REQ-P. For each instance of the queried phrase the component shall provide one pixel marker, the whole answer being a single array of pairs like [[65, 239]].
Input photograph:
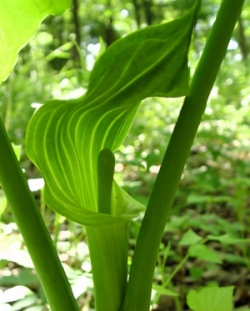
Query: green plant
[[211, 298], [72, 142]]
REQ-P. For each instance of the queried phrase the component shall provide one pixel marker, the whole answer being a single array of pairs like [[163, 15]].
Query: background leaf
[[228, 239], [18, 22], [211, 299], [202, 252], [189, 238]]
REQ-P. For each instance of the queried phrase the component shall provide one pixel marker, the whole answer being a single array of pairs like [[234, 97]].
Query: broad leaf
[[202, 252], [18, 22], [228, 239], [211, 299], [64, 138], [190, 238]]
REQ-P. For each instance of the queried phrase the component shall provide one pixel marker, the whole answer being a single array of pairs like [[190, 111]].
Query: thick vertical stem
[[157, 213], [75, 9], [137, 13], [147, 4], [33, 229], [108, 253]]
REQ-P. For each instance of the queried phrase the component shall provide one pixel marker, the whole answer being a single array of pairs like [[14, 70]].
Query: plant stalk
[[108, 247], [33, 230], [158, 210]]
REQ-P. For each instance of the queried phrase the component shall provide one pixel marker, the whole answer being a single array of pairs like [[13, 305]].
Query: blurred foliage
[[213, 197]]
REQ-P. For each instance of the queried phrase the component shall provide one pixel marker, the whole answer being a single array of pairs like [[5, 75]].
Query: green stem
[[158, 210], [177, 301], [109, 252], [177, 268], [33, 230]]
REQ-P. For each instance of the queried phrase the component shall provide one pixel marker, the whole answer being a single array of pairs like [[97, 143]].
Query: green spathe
[[64, 138]]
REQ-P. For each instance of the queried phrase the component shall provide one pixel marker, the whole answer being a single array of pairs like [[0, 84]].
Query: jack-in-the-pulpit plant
[[72, 142]]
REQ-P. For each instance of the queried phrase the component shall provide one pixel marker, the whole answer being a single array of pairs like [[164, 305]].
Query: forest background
[[213, 197]]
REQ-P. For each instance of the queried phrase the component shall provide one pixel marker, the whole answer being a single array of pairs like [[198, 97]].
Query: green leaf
[[24, 277], [228, 239], [64, 138], [18, 22], [198, 199], [211, 299], [189, 238], [27, 301], [19, 256], [164, 291], [202, 252]]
